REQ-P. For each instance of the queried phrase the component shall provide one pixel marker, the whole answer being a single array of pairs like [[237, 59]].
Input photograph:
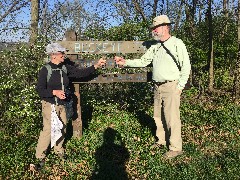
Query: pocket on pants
[[46, 110], [156, 92]]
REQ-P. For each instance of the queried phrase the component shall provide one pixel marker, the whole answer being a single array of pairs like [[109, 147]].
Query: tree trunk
[[155, 6], [34, 21], [190, 10], [225, 8], [237, 70], [210, 52], [43, 20], [225, 12], [201, 6], [179, 16]]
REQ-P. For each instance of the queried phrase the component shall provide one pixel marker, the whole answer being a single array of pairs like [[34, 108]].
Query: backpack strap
[[49, 70], [64, 68]]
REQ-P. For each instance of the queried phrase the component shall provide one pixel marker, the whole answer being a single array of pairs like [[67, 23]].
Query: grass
[[116, 144]]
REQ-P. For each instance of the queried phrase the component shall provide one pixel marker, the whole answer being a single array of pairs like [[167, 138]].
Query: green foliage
[[126, 32], [225, 50], [119, 141], [20, 103]]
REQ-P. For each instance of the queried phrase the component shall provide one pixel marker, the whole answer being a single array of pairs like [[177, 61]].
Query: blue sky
[[24, 18]]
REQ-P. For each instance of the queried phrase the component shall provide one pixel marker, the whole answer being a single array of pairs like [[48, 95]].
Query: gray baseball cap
[[54, 48]]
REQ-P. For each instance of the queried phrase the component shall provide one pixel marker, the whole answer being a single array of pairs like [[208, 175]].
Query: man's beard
[[156, 36]]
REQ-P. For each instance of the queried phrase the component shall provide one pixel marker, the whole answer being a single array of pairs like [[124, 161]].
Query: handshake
[[102, 62]]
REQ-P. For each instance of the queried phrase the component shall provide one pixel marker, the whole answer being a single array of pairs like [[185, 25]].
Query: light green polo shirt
[[164, 67]]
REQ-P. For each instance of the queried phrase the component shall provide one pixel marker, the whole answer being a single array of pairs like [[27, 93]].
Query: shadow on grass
[[87, 112], [111, 158], [146, 121]]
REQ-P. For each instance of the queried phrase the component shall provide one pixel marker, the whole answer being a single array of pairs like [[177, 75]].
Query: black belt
[[161, 83]]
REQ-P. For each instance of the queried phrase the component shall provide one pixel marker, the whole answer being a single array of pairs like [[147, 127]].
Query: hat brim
[[66, 50], [62, 51], [163, 24]]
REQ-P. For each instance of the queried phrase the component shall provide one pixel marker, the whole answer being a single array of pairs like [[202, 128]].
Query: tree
[[237, 71], [190, 14], [9, 11], [226, 16], [132, 10], [210, 46], [179, 16], [34, 21], [54, 20]]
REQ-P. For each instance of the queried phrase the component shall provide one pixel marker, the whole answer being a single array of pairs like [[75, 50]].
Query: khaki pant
[[45, 135], [167, 98]]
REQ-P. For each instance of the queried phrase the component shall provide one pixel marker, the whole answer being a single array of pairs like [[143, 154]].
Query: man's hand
[[101, 62], [59, 93], [119, 60]]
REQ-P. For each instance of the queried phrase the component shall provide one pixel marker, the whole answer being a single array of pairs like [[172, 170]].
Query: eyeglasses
[[61, 52]]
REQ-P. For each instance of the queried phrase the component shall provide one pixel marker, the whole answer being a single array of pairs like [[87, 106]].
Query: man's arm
[[185, 62], [145, 60]]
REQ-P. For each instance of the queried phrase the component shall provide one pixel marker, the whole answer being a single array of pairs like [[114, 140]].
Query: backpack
[[49, 69], [69, 104]]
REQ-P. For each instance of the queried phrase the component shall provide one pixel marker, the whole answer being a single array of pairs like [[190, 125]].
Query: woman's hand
[[101, 62], [59, 93]]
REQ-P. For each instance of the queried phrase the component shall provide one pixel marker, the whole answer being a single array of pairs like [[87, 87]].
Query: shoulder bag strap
[[174, 59]]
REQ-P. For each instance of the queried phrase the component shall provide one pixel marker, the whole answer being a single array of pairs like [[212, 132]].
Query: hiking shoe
[[172, 154], [39, 165]]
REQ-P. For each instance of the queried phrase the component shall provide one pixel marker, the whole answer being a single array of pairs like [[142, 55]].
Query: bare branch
[[139, 10], [13, 8], [155, 5]]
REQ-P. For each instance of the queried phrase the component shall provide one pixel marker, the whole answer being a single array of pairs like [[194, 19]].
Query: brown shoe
[[172, 154], [39, 166]]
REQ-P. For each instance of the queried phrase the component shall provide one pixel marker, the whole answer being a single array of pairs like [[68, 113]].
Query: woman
[[52, 90]]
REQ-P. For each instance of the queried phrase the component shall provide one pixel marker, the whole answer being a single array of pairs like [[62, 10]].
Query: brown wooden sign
[[82, 63], [105, 47], [110, 77], [116, 77]]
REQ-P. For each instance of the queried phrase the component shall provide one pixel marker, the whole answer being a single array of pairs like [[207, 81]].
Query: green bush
[[20, 103]]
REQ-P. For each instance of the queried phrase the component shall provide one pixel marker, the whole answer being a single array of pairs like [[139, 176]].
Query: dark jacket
[[45, 88]]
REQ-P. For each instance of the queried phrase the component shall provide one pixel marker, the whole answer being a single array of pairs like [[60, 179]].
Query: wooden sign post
[[77, 121]]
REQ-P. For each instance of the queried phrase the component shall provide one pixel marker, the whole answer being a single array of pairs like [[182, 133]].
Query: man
[[169, 79], [52, 91]]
